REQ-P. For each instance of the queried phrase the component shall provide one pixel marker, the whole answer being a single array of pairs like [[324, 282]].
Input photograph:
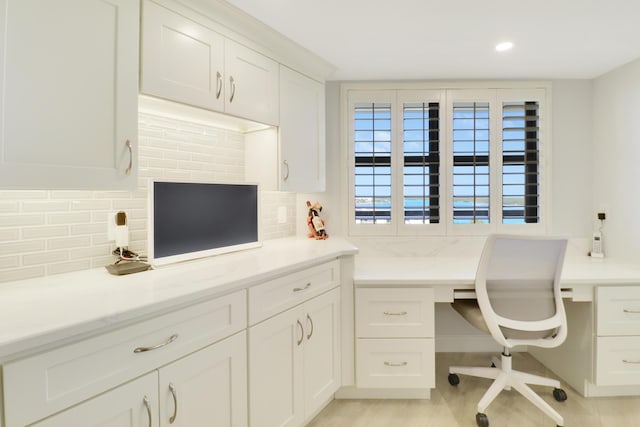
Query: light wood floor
[[456, 406]]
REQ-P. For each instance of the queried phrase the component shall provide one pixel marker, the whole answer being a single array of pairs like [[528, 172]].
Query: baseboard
[[382, 393]]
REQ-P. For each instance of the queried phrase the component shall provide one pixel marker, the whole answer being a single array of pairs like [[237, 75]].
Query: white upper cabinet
[[302, 133], [68, 94], [252, 84], [181, 60], [186, 61]]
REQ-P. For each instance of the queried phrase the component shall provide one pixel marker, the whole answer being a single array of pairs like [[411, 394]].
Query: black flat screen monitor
[[194, 219]]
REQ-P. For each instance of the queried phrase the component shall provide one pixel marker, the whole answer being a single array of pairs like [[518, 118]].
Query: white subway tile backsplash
[[23, 194], [7, 234], [45, 206], [47, 231], [90, 205], [69, 218], [20, 220], [9, 206], [66, 267], [69, 242], [22, 247], [45, 257], [21, 273], [51, 232], [9, 262]]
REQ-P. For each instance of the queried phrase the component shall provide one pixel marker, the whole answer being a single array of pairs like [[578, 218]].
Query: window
[[445, 161], [520, 162], [421, 162], [471, 201], [372, 147]]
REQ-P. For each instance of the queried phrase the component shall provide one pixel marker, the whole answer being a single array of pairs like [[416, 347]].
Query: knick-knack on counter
[[315, 223]]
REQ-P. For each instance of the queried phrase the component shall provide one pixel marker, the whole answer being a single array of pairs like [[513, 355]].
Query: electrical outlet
[[602, 216], [113, 220], [282, 214]]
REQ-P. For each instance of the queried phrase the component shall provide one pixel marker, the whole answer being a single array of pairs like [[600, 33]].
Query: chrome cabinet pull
[[233, 88], [396, 363], [635, 362], [395, 313], [172, 389], [171, 339], [626, 310], [128, 170], [311, 323], [302, 289], [218, 84], [301, 332], [147, 404], [286, 173]]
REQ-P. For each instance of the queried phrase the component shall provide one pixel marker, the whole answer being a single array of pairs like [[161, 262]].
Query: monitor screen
[[191, 220]]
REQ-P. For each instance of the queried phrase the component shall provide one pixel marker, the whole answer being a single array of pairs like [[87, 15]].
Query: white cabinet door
[[251, 84], [181, 59], [134, 404], [69, 93], [302, 133], [275, 371], [207, 388], [321, 350]]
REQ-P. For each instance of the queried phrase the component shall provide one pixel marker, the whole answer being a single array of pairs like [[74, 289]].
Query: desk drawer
[[395, 363], [278, 295], [37, 386], [618, 361], [394, 313], [617, 310]]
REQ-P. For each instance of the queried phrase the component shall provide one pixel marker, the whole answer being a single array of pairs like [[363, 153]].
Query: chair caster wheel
[[559, 394], [454, 379], [482, 420]]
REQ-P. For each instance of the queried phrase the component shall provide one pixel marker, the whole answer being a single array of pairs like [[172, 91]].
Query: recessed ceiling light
[[504, 46]]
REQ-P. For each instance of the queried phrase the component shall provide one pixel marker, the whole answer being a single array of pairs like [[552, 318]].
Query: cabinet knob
[[301, 332], [286, 170], [128, 170], [310, 323], [147, 404], [233, 88], [218, 84], [171, 339], [172, 389]]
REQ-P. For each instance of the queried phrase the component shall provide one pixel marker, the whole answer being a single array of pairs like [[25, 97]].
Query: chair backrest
[[518, 289]]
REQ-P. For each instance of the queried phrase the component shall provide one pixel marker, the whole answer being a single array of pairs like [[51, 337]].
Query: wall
[[50, 232], [616, 174]]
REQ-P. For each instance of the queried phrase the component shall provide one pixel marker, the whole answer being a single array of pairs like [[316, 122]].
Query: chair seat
[[470, 311]]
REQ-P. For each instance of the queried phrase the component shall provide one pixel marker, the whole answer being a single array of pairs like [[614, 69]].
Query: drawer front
[[395, 363], [394, 313], [617, 361], [37, 386], [618, 310], [278, 295]]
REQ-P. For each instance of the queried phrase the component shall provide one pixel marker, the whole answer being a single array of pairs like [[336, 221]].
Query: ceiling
[[455, 39]]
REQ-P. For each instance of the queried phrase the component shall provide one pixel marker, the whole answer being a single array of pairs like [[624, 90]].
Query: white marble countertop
[[37, 312], [580, 273]]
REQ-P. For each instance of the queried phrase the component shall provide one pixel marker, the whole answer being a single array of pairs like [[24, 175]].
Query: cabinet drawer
[[395, 363], [618, 310], [618, 361], [278, 295], [394, 313], [37, 386]]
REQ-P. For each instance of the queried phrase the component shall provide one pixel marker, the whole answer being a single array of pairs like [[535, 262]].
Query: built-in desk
[[596, 359]]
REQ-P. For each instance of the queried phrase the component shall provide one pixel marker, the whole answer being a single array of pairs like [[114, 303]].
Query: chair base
[[504, 379]]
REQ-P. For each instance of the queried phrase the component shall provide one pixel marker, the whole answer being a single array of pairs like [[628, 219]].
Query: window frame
[[445, 93]]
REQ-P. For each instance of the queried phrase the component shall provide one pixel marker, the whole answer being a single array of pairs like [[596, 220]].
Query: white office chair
[[519, 304]]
